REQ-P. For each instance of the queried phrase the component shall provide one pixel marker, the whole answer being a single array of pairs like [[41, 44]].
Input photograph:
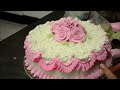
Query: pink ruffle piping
[[41, 75], [57, 64]]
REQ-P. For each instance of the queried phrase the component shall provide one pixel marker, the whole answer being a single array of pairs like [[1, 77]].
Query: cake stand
[[28, 73]]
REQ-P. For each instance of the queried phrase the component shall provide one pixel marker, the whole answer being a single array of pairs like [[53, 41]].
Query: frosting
[[66, 45], [73, 63], [62, 34], [77, 35], [42, 40], [92, 74], [68, 29]]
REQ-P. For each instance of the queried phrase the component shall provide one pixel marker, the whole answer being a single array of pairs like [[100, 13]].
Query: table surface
[[12, 51]]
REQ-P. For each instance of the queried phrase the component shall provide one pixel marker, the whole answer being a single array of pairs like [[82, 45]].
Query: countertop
[[12, 51]]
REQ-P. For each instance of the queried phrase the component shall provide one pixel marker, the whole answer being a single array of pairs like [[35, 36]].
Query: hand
[[115, 53], [115, 26], [108, 73]]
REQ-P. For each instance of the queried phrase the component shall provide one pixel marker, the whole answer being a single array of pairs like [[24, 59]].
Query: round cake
[[67, 49]]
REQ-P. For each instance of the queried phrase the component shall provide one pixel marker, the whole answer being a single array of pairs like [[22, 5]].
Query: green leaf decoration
[[50, 35], [65, 43]]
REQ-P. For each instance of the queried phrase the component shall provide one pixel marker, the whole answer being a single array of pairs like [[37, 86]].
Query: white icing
[[42, 39]]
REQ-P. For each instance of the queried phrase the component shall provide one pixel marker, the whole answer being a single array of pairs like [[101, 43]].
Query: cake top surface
[[53, 39]]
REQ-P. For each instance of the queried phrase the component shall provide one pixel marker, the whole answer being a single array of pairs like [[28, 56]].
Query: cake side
[[66, 56], [67, 46], [41, 35], [37, 72]]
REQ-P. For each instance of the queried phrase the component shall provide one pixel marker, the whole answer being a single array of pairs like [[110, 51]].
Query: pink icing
[[68, 29], [30, 67], [102, 55], [74, 63], [77, 35], [26, 43], [44, 76], [33, 70], [27, 62], [48, 77], [62, 33], [93, 75], [40, 75], [36, 73]]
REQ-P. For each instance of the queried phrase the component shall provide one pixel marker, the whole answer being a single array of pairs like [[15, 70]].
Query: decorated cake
[[67, 49]]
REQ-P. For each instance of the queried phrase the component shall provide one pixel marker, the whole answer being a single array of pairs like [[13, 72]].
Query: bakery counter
[[12, 51]]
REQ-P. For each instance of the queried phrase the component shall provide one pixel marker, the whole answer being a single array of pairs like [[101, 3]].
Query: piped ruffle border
[[57, 64], [41, 75]]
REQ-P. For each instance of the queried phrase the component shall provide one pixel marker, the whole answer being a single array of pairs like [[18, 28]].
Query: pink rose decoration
[[62, 33], [77, 35], [68, 29], [55, 27]]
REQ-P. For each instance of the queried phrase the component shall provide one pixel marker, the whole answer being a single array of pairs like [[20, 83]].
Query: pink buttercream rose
[[62, 33], [77, 34], [55, 26], [68, 29]]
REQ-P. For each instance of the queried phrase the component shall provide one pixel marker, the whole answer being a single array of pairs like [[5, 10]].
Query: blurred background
[[13, 21]]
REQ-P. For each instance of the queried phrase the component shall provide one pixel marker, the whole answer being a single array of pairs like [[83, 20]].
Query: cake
[[67, 48]]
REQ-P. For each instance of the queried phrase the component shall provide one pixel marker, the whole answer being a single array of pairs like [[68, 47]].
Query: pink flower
[[54, 27], [62, 33], [77, 34], [68, 29]]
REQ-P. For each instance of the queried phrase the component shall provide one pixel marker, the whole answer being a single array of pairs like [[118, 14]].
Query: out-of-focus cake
[[67, 49]]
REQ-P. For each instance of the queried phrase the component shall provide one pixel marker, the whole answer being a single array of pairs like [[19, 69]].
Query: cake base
[[31, 76], [28, 72]]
